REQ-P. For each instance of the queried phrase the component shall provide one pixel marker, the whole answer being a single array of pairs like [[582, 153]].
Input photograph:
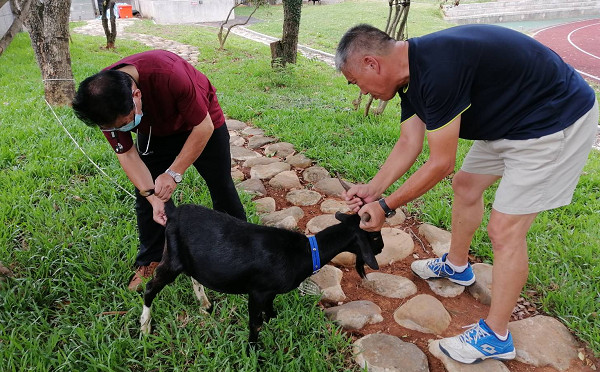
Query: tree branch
[[16, 24]]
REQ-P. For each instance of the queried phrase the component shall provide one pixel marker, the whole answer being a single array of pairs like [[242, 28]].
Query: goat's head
[[369, 244]]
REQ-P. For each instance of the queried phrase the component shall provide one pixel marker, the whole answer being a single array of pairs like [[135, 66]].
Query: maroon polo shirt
[[175, 97]]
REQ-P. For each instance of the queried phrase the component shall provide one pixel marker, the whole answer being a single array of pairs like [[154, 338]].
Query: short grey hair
[[364, 39]]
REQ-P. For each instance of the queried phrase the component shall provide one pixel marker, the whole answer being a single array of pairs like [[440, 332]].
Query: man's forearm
[[136, 170], [399, 161], [193, 146]]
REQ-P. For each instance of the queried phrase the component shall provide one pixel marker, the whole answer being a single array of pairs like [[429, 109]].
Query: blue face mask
[[132, 124]]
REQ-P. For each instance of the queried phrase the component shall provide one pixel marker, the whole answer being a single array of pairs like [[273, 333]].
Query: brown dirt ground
[[464, 309]]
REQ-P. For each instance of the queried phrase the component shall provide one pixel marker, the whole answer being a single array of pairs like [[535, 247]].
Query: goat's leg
[[162, 276], [205, 305], [270, 312], [255, 317]]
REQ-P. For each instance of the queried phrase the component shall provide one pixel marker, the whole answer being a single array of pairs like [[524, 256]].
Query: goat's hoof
[[146, 327], [208, 310]]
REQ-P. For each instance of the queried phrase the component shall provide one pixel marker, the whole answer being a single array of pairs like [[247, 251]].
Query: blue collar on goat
[[314, 250]]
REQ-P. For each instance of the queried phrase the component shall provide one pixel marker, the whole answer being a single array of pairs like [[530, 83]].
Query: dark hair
[[364, 39], [103, 97]]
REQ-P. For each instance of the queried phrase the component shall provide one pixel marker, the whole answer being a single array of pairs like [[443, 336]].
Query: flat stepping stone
[[345, 259], [237, 125], [544, 341], [265, 205], [423, 313], [252, 131], [237, 141], [267, 171], [397, 245], [241, 153], [262, 160], [319, 223], [253, 186], [445, 288], [288, 223], [329, 187], [271, 219], [386, 353], [303, 197], [237, 175], [329, 280], [257, 141], [281, 149], [332, 206], [315, 173], [488, 365], [481, 290], [286, 180], [299, 161], [438, 238], [397, 219], [388, 285], [355, 314]]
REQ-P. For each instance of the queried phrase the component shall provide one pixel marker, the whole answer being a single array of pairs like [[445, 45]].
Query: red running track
[[578, 43]]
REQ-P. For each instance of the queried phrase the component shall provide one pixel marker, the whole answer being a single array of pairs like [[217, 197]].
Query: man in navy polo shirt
[[533, 120], [174, 111]]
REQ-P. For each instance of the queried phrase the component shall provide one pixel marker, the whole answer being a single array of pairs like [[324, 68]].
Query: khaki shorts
[[537, 174]]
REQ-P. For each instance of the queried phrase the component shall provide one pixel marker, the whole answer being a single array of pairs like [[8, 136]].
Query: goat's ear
[[365, 250]]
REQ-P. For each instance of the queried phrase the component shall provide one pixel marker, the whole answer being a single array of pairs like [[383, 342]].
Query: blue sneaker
[[436, 268], [478, 343]]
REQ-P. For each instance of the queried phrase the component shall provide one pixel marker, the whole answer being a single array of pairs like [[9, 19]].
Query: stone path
[[277, 175]]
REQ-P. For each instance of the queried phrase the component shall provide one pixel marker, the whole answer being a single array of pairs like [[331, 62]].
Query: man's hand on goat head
[[377, 217], [358, 195], [164, 185]]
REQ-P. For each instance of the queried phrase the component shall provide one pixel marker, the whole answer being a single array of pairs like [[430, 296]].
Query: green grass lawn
[[322, 26], [69, 234]]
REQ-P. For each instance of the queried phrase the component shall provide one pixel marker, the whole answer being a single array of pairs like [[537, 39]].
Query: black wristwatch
[[388, 212], [147, 193]]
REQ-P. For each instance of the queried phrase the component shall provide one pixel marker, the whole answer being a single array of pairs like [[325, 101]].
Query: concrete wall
[[82, 10], [185, 11], [6, 18]]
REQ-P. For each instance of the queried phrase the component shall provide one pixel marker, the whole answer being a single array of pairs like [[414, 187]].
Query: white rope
[[84, 153]]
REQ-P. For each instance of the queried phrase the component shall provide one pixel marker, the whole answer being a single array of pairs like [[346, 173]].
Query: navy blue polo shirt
[[504, 84]]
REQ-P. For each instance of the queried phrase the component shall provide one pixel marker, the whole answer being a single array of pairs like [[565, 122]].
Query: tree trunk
[[285, 50], [111, 34], [48, 25], [20, 12]]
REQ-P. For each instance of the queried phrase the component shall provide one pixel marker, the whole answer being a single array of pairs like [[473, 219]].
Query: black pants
[[214, 165]]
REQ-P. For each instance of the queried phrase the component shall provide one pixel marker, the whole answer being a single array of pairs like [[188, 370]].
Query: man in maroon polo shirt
[[174, 111]]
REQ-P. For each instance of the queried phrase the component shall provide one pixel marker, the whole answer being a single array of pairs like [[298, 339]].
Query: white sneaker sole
[[505, 356], [465, 283]]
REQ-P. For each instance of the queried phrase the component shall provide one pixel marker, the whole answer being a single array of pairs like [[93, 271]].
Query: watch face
[[177, 178]]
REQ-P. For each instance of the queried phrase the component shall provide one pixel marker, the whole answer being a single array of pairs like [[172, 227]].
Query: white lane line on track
[[578, 48], [588, 75]]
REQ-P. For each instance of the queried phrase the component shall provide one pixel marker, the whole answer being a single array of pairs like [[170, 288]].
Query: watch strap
[[387, 210], [146, 193], [176, 176]]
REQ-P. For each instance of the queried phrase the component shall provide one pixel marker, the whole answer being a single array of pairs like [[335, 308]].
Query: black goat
[[233, 256]]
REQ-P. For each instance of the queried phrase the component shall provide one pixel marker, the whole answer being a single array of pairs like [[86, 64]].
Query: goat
[[233, 256]]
